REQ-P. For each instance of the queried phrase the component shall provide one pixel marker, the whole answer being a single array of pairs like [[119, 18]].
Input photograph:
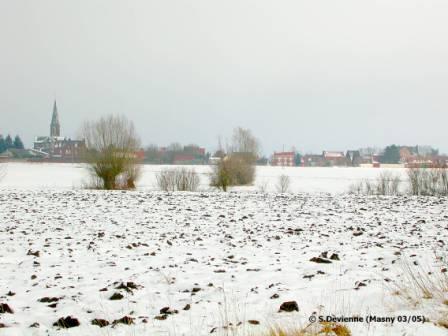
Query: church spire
[[55, 128]]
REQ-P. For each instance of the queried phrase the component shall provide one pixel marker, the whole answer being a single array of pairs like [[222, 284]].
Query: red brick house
[[283, 159], [334, 158]]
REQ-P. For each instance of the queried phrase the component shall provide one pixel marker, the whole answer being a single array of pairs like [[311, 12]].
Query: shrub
[[238, 167], [242, 169], [263, 187], [221, 175], [180, 179], [387, 183], [165, 180], [283, 183], [232, 170], [428, 181], [420, 182], [111, 146], [187, 180]]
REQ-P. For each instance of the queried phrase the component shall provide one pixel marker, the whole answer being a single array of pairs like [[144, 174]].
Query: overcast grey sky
[[311, 74]]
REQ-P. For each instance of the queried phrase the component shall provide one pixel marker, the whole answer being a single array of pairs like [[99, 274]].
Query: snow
[[238, 249], [310, 180]]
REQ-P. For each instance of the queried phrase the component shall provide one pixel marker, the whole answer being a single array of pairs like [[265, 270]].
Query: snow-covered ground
[[219, 259], [72, 176]]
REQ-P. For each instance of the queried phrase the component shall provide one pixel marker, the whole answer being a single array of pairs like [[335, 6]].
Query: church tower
[[55, 127]]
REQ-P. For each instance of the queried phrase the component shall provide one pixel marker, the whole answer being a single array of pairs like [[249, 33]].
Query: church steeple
[[55, 127]]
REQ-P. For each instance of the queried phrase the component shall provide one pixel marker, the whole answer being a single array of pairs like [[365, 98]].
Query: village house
[[334, 158], [283, 159], [313, 160]]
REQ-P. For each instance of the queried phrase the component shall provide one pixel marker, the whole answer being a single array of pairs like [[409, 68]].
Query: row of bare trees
[[419, 181], [112, 144]]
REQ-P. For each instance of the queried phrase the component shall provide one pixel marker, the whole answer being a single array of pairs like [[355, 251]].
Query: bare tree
[[111, 152], [283, 183], [244, 143]]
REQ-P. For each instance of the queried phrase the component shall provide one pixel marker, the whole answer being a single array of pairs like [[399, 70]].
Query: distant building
[[186, 159], [332, 155], [187, 155], [313, 160], [326, 159], [194, 150], [56, 146], [334, 158], [15, 153], [284, 159]]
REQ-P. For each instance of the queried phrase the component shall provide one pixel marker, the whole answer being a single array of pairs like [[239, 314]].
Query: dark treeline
[[7, 143], [175, 153]]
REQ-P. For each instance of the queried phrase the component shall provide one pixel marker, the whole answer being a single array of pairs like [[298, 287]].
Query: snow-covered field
[[209, 262], [72, 176]]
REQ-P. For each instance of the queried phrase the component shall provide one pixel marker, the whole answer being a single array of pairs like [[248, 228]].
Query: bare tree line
[[112, 143], [418, 182]]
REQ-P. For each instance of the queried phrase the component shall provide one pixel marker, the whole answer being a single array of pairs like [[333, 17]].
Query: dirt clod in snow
[[67, 322], [116, 296], [124, 320], [100, 322], [5, 308], [320, 260], [289, 306]]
